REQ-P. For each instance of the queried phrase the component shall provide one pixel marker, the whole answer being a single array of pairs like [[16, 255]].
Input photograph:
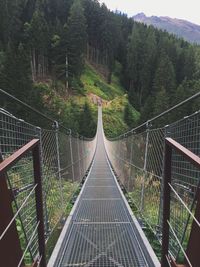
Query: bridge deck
[[101, 231]]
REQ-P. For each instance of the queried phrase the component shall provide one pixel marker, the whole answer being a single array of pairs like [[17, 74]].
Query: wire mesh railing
[[176, 204], [22, 213], [138, 160], [65, 159]]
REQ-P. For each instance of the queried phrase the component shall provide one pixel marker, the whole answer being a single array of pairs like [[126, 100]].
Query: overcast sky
[[182, 9]]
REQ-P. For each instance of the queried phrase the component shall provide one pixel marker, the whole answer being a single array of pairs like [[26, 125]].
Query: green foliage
[[15, 73], [153, 240], [165, 76], [2, 59], [161, 101], [113, 117], [27, 257], [95, 84], [77, 39], [113, 123], [184, 91], [131, 116], [115, 100], [72, 113], [21, 177], [86, 122], [48, 41], [39, 31]]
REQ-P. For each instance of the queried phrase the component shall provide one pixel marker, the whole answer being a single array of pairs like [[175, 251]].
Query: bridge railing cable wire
[[138, 160], [64, 158]]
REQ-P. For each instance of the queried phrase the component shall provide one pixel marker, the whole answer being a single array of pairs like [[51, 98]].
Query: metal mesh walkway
[[102, 232]]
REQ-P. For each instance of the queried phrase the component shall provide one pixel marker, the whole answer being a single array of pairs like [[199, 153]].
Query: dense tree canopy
[[52, 39]]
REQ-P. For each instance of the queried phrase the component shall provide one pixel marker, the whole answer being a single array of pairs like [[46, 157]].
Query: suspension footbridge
[[102, 230], [44, 171]]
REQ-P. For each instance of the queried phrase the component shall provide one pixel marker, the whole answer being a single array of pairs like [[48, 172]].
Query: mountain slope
[[94, 87], [182, 28]]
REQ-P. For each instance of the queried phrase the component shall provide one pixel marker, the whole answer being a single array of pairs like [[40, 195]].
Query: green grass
[[148, 231], [95, 84], [92, 86], [149, 216], [21, 177], [114, 99]]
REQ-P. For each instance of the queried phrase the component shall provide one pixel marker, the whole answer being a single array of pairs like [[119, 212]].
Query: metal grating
[[102, 211], [99, 175], [103, 245], [101, 192], [102, 233], [101, 182]]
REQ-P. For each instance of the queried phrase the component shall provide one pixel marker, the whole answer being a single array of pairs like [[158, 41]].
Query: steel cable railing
[[138, 160], [65, 159]]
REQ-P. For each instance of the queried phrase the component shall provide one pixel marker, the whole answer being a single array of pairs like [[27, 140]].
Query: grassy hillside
[[68, 108], [114, 99]]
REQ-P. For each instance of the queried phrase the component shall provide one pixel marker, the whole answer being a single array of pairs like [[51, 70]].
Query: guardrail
[[65, 160], [192, 257], [138, 160], [11, 253]]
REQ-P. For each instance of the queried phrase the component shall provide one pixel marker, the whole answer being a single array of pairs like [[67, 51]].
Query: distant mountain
[[182, 28]]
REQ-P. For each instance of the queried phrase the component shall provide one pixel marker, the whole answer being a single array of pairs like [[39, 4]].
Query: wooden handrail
[[16, 156], [171, 145]]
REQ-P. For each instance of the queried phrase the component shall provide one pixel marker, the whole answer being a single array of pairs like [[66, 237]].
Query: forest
[[50, 42]]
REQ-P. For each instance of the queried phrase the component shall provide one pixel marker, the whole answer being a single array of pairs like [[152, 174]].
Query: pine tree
[[147, 111], [161, 102], [109, 42], [94, 20], [87, 125], [15, 76], [133, 66], [77, 40], [165, 76], [130, 116], [148, 69], [39, 42], [10, 23]]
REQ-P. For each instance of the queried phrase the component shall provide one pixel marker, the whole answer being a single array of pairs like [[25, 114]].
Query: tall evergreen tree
[[15, 75], [165, 76], [130, 116], [39, 42], [161, 102], [94, 20], [110, 33], [134, 65], [148, 69], [86, 122], [10, 22], [77, 39]]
